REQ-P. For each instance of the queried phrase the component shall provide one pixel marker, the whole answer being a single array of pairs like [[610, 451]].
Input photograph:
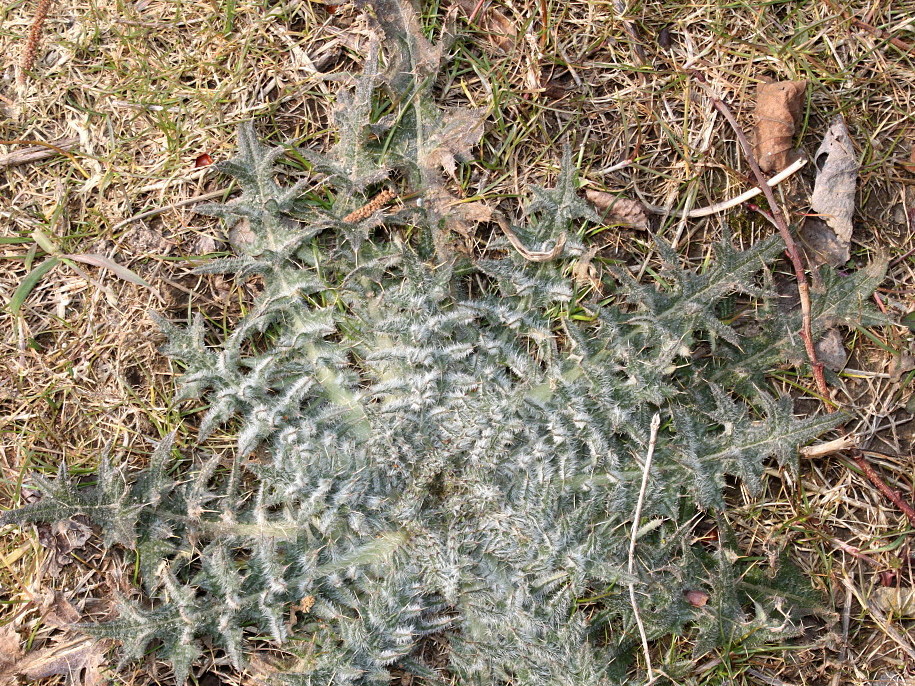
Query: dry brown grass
[[149, 86]]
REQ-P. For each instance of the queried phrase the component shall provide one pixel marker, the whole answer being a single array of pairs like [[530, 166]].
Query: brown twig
[[38, 151], [794, 254], [870, 28], [893, 495], [31, 44]]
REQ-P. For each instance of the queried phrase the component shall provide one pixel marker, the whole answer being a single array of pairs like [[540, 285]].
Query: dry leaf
[[10, 653], [833, 197], [897, 601], [584, 273], [616, 209], [820, 243], [899, 365], [61, 539], [501, 32], [831, 350], [778, 111], [696, 598], [59, 611], [461, 130], [80, 660]]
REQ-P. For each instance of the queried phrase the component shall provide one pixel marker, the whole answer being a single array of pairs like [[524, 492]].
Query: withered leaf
[[9, 652], [616, 209], [584, 272], [820, 243], [414, 58], [59, 611], [696, 598], [899, 365], [778, 111], [831, 350], [898, 601], [80, 660], [61, 538], [461, 130], [833, 197], [501, 32]]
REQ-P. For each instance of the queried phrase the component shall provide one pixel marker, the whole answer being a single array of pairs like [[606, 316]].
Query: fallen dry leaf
[[501, 32], [831, 350], [696, 598], [61, 539], [778, 111], [584, 272], [898, 601], [820, 243], [461, 130], [616, 209], [833, 197], [899, 365], [59, 611], [9, 652], [80, 660]]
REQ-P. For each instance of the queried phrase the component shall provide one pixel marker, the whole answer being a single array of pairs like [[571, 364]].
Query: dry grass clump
[[148, 88]]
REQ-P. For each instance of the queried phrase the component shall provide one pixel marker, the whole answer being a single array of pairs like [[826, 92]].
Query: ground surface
[[152, 90]]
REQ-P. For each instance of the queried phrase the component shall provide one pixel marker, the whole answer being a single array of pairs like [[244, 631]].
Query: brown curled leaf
[[696, 598], [778, 111], [617, 209]]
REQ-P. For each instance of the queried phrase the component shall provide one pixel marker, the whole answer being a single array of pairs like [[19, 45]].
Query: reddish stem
[[893, 495], [793, 253]]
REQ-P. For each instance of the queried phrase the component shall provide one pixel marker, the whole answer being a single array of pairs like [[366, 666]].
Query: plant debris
[[827, 236], [78, 658], [778, 111], [501, 32], [831, 350], [61, 539], [617, 209]]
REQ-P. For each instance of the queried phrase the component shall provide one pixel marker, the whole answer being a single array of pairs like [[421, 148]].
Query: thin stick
[[892, 495], [530, 255], [36, 153], [655, 425], [791, 248], [726, 204], [829, 447], [166, 208], [57, 147]]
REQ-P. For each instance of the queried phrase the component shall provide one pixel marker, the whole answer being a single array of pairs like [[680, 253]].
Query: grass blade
[[29, 282]]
